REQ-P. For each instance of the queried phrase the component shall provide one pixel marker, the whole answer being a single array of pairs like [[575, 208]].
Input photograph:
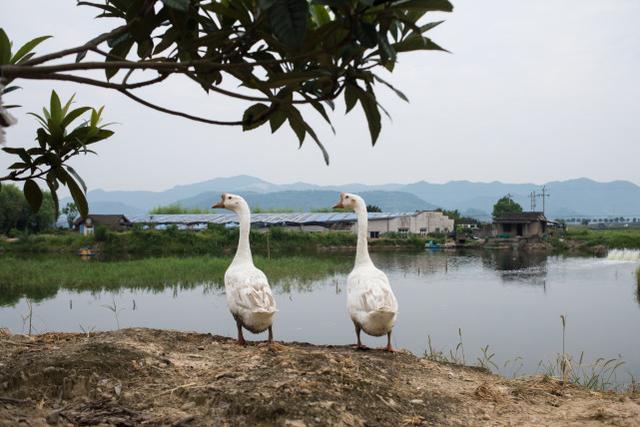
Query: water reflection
[[518, 267]]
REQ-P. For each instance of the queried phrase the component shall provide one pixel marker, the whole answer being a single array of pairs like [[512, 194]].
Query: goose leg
[[241, 340], [389, 348], [270, 335], [360, 346]]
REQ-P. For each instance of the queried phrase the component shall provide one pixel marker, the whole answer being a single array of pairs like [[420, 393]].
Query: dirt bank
[[154, 377]]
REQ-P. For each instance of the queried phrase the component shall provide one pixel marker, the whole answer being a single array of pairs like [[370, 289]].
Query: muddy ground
[[156, 377]]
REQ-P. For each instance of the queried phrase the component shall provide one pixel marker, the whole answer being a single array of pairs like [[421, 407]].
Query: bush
[[101, 234]]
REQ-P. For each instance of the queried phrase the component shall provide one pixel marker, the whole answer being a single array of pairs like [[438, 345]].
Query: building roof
[[264, 218], [102, 219], [522, 217]]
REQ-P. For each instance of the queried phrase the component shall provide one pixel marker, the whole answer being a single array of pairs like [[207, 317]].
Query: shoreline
[[135, 376]]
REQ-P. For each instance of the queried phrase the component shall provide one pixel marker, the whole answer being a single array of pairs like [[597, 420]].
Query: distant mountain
[[574, 197], [313, 199]]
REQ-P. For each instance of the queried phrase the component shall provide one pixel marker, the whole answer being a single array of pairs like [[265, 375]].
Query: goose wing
[[251, 291], [370, 291]]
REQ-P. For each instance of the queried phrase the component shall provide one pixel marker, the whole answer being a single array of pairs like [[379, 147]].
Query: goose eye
[[347, 197], [229, 197]]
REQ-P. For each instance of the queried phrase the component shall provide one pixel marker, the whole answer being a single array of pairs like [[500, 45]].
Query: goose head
[[349, 201], [233, 202]]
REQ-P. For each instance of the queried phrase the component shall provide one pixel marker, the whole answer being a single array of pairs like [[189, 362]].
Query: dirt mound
[[142, 376]]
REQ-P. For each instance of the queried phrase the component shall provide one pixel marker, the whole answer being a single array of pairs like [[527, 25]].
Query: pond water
[[508, 300]]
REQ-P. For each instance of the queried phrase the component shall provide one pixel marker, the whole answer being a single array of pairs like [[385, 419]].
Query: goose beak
[[218, 205], [339, 205]]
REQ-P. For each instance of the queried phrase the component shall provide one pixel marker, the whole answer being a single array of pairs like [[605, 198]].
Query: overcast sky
[[532, 92]]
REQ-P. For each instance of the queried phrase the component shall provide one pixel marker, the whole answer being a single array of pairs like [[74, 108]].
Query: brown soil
[[154, 377]]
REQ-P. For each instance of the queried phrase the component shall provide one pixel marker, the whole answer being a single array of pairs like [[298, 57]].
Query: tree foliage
[[505, 206], [282, 54], [57, 143], [70, 211], [16, 214], [373, 208]]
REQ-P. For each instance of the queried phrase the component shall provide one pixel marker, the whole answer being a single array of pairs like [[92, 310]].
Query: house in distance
[[87, 225]]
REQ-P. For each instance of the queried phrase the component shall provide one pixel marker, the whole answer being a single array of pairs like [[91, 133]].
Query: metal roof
[[262, 218]]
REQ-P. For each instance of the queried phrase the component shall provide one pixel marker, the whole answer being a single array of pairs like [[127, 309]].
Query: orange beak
[[220, 204], [339, 205]]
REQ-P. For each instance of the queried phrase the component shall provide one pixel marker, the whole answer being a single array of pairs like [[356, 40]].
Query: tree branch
[[88, 45], [177, 113], [93, 82]]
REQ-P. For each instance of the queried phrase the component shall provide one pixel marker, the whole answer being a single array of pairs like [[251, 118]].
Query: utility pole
[[533, 201], [544, 195]]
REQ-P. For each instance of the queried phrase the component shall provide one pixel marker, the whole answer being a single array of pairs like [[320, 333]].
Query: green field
[[216, 241], [612, 239], [41, 278]]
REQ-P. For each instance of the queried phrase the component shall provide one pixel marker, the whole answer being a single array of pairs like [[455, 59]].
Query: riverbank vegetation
[[611, 238], [216, 240], [38, 279]]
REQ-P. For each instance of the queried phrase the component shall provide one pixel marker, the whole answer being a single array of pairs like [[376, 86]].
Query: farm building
[[421, 222], [523, 224], [112, 222]]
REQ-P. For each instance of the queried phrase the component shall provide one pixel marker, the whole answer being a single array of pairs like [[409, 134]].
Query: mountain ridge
[[573, 197]]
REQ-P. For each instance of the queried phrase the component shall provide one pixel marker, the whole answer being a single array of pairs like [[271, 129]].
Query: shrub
[[101, 234]]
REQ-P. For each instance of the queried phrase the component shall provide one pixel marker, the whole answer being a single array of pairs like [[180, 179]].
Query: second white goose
[[370, 300]]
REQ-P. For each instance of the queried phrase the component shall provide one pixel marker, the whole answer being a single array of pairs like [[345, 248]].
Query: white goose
[[370, 300], [248, 293]]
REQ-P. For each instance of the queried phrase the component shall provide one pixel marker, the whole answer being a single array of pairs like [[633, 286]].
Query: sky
[[531, 92]]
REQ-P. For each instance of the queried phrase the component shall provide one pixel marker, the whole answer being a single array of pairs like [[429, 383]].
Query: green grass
[[177, 208], [613, 239], [41, 278], [216, 241]]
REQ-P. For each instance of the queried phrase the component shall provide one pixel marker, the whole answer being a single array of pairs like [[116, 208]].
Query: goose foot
[[241, 340], [359, 346], [389, 348]]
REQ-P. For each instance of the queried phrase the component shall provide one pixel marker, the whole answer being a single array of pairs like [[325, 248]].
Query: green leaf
[[77, 177], [414, 42], [74, 114], [297, 124], [294, 77], [277, 119], [370, 107], [288, 20], [424, 5], [182, 5], [54, 197], [350, 96], [76, 192], [319, 15], [8, 89], [5, 48], [33, 194], [320, 109], [55, 108], [119, 51], [254, 116], [28, 47], [387, 84], [366, 34]]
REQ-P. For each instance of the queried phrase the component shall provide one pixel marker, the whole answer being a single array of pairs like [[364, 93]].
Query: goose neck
[[362, 248], [243, 253]]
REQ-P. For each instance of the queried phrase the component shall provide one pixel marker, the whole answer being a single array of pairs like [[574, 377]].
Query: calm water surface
[[509, 301]]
